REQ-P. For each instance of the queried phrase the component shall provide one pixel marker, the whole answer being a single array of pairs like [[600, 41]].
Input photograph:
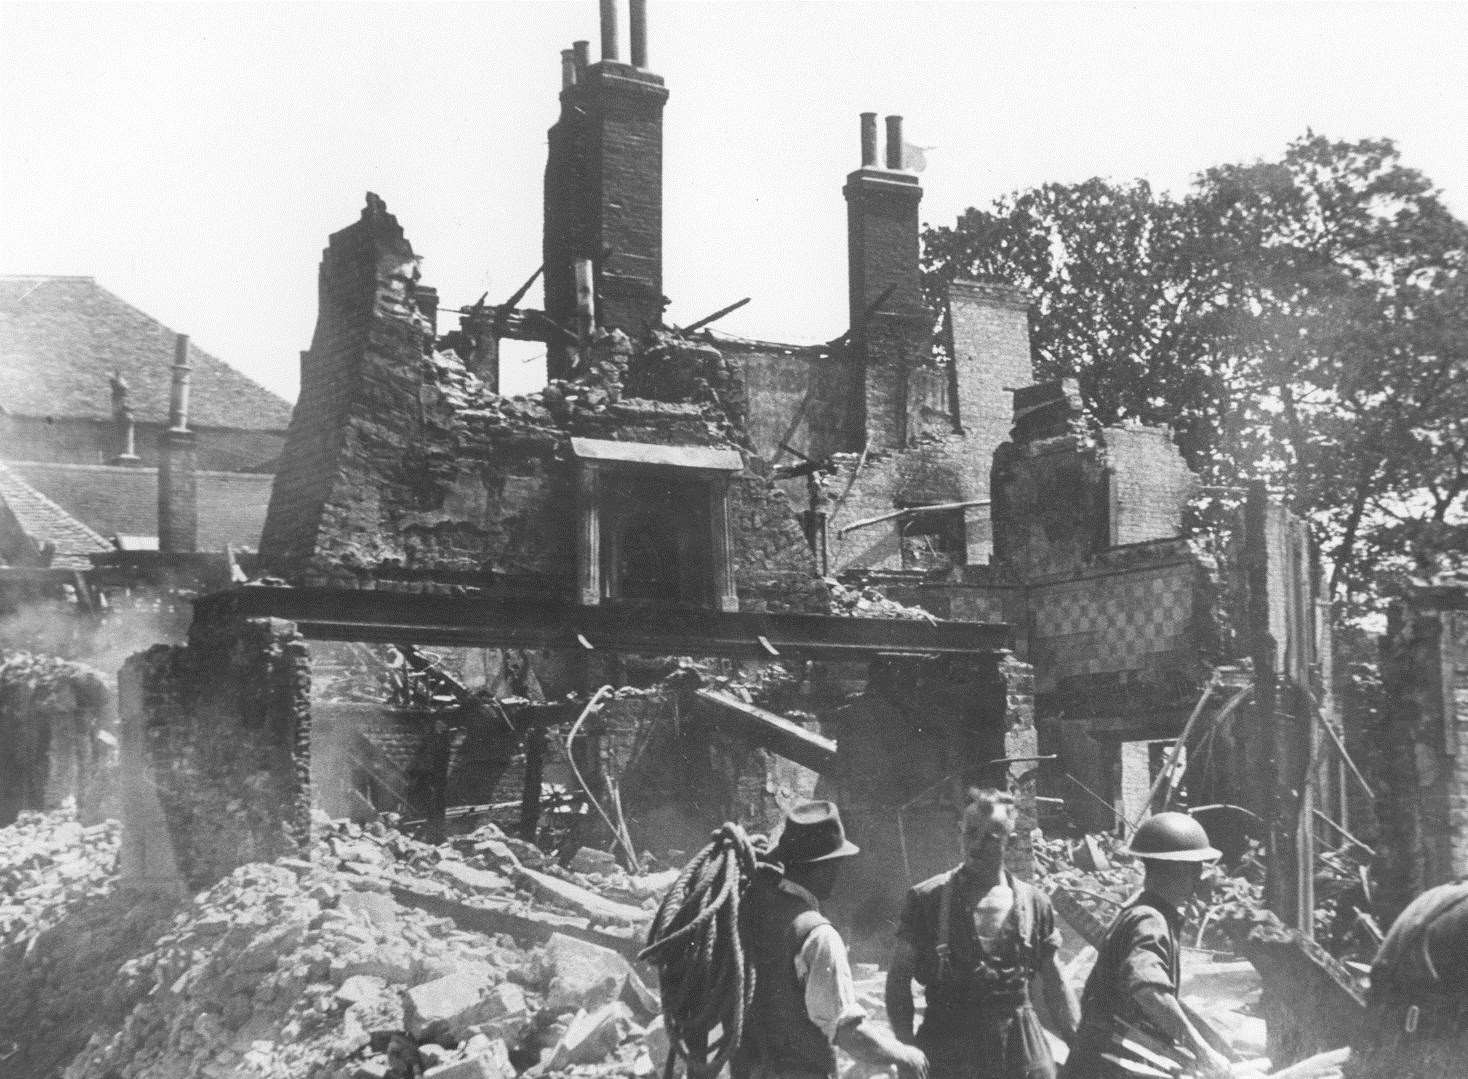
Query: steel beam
[[486, 621]]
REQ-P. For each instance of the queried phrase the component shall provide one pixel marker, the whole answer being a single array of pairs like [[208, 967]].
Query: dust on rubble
[[382, 957], [324, 967]]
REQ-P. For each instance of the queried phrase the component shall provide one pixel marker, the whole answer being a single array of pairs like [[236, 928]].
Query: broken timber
[[504, 621], [489, 920], [773, 732]]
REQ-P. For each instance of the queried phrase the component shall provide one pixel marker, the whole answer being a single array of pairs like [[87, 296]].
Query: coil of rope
[[695, 942]]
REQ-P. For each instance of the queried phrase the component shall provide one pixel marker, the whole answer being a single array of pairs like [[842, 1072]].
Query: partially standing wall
[[1422, 801], [216, 740]]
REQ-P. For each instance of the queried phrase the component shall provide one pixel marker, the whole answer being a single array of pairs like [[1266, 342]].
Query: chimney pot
[[610, 47], [868, 140], [894, 142], [637, 26], [582, 51], [568, 68]]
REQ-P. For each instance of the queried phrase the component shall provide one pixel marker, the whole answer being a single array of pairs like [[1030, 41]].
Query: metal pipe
[[720, 313], [610, 47], [894, 142], [868, 140], [1345, 834], [637, 26], [178, 397], [911, 510], [568, 68]]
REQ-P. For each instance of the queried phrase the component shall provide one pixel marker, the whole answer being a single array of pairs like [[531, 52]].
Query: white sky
[[194, 158]]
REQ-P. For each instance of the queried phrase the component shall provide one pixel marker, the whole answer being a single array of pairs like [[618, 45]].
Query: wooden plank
[[773, 731]]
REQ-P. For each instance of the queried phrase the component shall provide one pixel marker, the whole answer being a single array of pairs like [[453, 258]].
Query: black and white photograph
[[733, 539]]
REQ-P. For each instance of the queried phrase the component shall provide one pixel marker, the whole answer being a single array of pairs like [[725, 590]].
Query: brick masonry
[[51, 713], [603, 201], [943, 454], [223, 728], [1116, 613], [1422, 802], [402, 465]]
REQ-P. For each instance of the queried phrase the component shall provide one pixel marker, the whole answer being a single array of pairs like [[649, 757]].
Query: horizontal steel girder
[[480, 621]]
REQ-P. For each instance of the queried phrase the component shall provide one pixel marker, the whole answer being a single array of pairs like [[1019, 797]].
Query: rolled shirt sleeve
[[830, 991]]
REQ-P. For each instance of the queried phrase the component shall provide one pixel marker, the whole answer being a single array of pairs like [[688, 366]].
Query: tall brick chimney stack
[[604, 188], [178, 514], [889, 327]]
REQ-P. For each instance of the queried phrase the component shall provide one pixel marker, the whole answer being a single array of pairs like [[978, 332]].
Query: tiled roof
[[42, 520], [62, 337], [116, 500]]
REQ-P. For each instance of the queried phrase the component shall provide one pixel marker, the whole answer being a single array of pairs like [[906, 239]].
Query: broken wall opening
[[57, 724]]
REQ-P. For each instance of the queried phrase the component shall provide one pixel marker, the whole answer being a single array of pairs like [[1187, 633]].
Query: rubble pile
[[49, 863], [64, 931], [1092, 871], [869, 602], [338, 966]]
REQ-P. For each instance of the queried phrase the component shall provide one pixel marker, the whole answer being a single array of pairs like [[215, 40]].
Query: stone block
[[479, 1067], [582, 974], [360, 987], [591, 1036], [379, 908], [481, 880], [448, 1003], [588, 860]]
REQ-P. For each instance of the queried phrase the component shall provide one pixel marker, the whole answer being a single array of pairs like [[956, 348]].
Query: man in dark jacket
[[1131, 1017], [805, 1004], [1417, 1009], [976, 939]]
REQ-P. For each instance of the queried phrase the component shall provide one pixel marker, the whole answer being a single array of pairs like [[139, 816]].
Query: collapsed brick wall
[[224, 727], [1050, 506], [1422, 796], [934, 471], [798, 394], [774, 567], [403, 465], [55, 719], [929, 430], [1150, 484], [361, 748]]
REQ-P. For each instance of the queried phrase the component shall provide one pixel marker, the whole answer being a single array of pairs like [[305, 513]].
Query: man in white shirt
[[805, 1004]]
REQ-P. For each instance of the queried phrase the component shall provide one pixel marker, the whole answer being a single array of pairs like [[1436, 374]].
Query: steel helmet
[[1172, 837]]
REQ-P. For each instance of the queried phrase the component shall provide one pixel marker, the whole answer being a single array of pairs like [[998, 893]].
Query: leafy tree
[[1302, 320]]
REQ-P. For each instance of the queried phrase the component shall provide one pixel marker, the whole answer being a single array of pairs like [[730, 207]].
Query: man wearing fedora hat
[[1131, 1018], [804, 1004]]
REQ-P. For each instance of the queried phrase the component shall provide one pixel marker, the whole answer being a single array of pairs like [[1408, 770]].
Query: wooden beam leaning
[[774, 732]]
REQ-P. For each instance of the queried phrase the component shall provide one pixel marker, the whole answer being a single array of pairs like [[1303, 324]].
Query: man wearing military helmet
[[1131, 1017]]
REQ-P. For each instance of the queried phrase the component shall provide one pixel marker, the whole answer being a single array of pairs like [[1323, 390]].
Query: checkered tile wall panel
[[1112, 623]]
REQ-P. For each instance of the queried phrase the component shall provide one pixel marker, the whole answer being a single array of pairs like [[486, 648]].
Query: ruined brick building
[[691, 494]]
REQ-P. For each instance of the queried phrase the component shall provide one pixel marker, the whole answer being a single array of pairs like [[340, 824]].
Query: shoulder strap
[[806, 923], [945, 917]]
